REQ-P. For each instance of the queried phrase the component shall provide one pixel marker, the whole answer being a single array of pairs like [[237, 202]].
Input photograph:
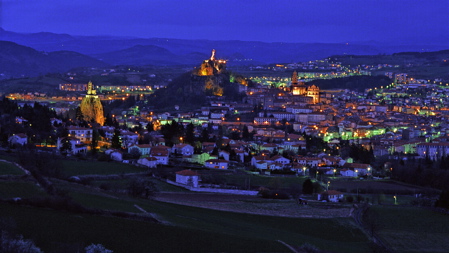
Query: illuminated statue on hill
[[91, 106], [212, 66]]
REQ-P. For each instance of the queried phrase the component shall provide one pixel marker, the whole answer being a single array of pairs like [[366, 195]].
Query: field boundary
[[215, 190]]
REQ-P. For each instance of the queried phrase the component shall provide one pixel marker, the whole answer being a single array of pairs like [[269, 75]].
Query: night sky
[[414, 21]]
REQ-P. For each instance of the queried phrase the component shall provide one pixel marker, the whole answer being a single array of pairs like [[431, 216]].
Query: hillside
[[17, 61], [359, 83], [194, 87], [425, 65]]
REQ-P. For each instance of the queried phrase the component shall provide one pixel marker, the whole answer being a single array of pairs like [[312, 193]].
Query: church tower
[[91, 106], [297, 88]]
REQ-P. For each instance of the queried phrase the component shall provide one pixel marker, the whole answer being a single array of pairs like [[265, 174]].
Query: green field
[[123, 184], [234, 232], [412, 229], [10, 169], [69, 232], [8, 158], [188, 228], [267, 181], [73, 168], [20, 189]]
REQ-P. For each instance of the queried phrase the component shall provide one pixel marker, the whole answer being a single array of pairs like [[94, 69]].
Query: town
[[211, 136]]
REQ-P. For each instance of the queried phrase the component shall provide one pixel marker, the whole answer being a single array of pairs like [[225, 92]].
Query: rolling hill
[[235, 51]]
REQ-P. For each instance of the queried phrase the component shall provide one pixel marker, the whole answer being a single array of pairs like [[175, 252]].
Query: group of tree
[[421, 171], [37, 125]]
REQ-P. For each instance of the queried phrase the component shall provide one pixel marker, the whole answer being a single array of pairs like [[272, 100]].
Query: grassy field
[[266, 181], [374, 186], [8, 157], [410, 229], [9, 169], [20, 189], [69, 232], [73, 168], [337, 235], [123, 184]]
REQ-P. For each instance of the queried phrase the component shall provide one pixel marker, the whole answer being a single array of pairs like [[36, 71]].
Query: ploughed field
[[257, 205]]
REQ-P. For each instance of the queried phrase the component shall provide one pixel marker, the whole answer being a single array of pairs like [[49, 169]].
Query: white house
[[161, 153], [183, 149], [129, 138], [348, 173], [240, 154], [150, 162], [144, 149], [269, 146], [188, 177], [433, 150], [261, 165], [18, 139], [217, 164], [224, 154], [82, 133], [309, 161], [75, 145], [331, 195], [361, 169], [280, 159]]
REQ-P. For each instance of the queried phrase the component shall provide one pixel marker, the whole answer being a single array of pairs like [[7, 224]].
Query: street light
[[335, 171], [304, 169], [395, 199], [327, 186]]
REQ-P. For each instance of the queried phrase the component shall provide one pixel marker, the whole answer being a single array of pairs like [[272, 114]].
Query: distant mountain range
[[17, 60], [169, 52]]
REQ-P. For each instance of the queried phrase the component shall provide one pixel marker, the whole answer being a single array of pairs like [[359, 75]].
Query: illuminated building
[[300, 89], [73, 86]]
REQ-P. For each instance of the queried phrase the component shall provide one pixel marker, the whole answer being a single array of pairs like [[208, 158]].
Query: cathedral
[[300, 89], [91, 106]]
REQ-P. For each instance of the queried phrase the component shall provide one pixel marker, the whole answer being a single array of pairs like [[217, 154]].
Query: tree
[[141, 188], [443, 201], [190, 134], [116, 140], [16, 244], [307, 187], [205, 135], [66, 146], [94, 142], [79, 115], [135, 153], [108, 121], [97, 248], [245, 133], [150, 127]]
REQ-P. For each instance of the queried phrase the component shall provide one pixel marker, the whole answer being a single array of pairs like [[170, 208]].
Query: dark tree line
[[423, 172]]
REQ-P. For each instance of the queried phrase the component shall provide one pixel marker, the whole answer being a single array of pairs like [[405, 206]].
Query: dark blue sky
[[416, 21]]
